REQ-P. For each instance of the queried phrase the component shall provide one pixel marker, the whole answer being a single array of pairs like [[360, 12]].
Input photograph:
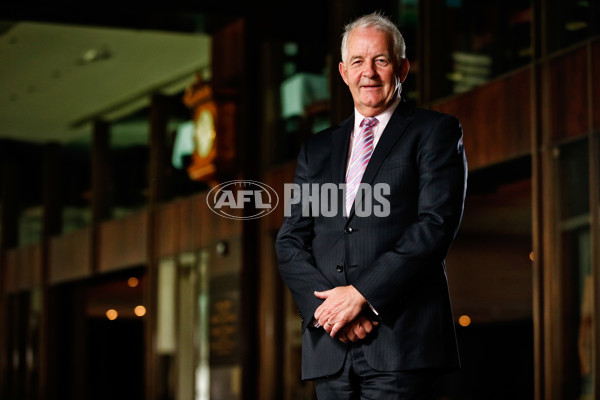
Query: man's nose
[[369, 70]]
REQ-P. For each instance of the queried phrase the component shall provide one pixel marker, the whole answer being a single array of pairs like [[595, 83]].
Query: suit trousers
[[358, 381]]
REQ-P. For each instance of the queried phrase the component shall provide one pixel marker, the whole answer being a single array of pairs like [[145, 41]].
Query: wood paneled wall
[[568, 95], [188, 224], [23, 268], [496, 119], [276, 179], [183, 225], [122, 242], [70, 256], [595, 83], [490, 278]]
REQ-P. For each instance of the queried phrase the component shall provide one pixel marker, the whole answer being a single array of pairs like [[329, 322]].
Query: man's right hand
[[357, 329]]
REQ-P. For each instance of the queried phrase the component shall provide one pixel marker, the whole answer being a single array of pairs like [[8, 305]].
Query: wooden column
[[52, 193], [156, 188], [51, 226], [100, 202], [593, 59], [538, 195], [159, 113], [100, 172], [9, 224], [432, 44], [9, 191], [271, 327], [341, 12], [250, 139]]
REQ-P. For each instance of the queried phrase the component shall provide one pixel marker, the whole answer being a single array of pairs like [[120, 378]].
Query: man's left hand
[[341, 306], [357, 329]]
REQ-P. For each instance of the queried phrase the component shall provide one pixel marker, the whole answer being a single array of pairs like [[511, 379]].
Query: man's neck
[[377, 112]]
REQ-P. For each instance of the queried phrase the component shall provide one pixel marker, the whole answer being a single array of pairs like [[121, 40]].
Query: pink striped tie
[[362, 149]]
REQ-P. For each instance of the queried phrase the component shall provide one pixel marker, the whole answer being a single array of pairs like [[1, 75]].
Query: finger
[[360, 332], [335, 329], [317, 315], [328, 327], [352, 336], [343, 339], [320, 314], [367, 326], [322, 295]]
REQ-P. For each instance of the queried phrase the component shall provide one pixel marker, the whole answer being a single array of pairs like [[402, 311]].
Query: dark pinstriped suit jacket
[[397, 261]]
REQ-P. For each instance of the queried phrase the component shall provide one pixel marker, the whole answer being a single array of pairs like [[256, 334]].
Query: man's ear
[[342, 68], [404, 67]]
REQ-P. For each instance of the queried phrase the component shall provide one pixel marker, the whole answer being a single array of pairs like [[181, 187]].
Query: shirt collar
[[382, 118]]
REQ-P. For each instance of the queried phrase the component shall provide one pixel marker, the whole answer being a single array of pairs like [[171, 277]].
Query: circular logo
[[241, 199]]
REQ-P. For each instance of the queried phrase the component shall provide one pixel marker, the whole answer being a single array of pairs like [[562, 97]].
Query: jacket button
[[339, 268], [348, 229]]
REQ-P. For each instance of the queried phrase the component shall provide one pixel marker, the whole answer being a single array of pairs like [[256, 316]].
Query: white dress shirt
[[378, 129]]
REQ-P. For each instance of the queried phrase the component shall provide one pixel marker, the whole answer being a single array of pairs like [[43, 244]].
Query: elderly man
[[371, 286]]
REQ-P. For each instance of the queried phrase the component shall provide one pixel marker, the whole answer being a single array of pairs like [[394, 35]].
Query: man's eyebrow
[[375, 56], [358, 57]]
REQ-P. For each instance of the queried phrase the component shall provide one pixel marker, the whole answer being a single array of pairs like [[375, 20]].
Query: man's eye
[[382, 61]]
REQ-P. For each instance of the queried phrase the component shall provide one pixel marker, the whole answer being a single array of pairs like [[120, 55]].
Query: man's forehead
[[368, 29], [358, 31], [358, 47]]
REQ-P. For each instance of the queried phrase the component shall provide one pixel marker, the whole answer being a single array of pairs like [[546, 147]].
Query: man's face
[[370, 71]]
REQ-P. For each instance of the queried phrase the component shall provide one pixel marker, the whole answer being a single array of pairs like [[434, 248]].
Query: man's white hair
[[379, 22]]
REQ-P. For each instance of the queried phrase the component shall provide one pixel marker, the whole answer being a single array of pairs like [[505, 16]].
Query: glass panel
[[474, 41], [225, 337], [571, 21], [185, 329], [76, 175], [30, 225], [573, 174], [202, 326], [574, 181], [166, 326], [23, 336], [26, 164], [304, 95], [407, 20], [198, 337], [129, 163]]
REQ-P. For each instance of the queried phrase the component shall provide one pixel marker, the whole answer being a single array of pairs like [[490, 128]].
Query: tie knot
[[369, 121]]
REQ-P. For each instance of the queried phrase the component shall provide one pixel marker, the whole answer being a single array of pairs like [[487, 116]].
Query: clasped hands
[[341, 314]]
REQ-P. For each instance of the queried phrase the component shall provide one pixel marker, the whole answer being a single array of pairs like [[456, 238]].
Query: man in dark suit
[[371, 286]]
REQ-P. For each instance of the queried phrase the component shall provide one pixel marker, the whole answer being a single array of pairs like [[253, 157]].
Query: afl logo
[[230, 199]]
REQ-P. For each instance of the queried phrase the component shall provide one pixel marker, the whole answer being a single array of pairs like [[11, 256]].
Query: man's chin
[[374, 104]]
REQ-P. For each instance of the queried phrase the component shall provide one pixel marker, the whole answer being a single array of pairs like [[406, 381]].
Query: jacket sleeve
[[294, 252], [442, 170]]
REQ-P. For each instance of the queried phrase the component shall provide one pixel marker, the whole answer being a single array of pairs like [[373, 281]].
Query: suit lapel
[[401, 118], [398, 123], [340, 145]]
